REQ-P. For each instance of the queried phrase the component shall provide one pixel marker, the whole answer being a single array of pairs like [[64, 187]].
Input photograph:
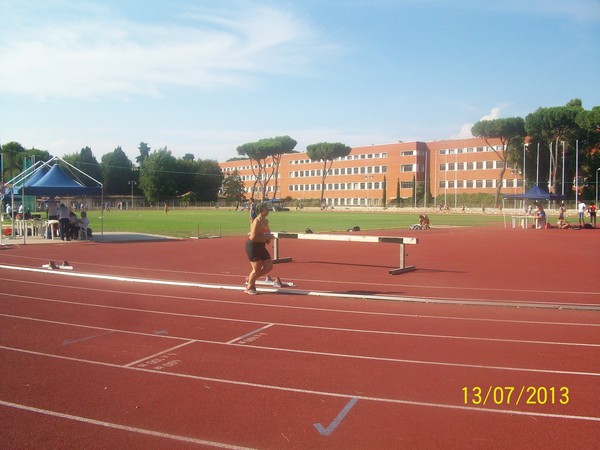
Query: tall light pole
[[550, 186], [537, 170], [132, 183], [563, 169], [524, 171], [576, 173]]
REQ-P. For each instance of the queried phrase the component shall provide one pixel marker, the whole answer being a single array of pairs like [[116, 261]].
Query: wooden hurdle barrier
[[347, 238]]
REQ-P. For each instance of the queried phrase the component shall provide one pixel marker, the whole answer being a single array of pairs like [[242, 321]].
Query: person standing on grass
[[592, 212], [580, 213], [256, 248], [252, 209]]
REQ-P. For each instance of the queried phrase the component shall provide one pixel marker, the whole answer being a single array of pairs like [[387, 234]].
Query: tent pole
[[102, 214]]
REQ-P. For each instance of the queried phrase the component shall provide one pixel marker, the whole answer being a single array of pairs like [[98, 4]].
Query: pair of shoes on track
[[276, 282]]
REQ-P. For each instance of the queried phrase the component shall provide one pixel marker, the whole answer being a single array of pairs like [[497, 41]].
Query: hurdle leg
[[276, 258], [403, 267]]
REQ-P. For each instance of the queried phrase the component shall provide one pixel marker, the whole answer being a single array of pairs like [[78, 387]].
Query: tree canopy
[[510, 131], [560, 129], [261, 152], [117, 172], [327, 152]]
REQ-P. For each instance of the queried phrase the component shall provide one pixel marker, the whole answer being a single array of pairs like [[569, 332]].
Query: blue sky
[[203, 77]]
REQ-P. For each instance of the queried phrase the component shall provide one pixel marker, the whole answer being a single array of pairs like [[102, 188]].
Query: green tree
[[326, 152], [117, 172], [203, 178], [233, 188], [589, 122], [286, 145], [510, 132], [259, 152], [208, 180], [38, 155], [384, 195], [158, 174], [12, 157], [86, 162], [144, 152], [188, 157], [555, 125]]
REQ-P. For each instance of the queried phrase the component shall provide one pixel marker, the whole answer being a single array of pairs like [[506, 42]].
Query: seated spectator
[[540, 217], [562, 224], [84, 224], [73, 225], [424, 221]]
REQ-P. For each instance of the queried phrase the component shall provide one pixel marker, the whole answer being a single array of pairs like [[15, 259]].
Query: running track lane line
[[568, 306], [468, 288], [292, 325], [306, 308], [308, 352], [116, 426], [315, 392]]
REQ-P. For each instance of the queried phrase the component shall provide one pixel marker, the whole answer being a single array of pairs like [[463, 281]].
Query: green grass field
[[227, 222]]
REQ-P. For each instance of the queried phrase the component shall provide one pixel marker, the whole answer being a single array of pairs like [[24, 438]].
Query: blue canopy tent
[[536, 193], [30, 176], [55, 181]]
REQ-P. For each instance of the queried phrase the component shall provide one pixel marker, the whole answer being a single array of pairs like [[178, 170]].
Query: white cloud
[[494, 114], [100, 54], [465, 130]]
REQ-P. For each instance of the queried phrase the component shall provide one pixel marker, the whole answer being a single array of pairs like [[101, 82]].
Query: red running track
[[154, 345]]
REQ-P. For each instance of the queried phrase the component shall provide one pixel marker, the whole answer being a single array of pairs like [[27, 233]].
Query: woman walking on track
[[256, 248]]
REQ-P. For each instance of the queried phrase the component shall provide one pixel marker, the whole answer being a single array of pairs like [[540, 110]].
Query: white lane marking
[[237, 339], [320, 393], [337, 355], [145, 358], [517, 304], [302, 308], [349, 330], [117, 426]]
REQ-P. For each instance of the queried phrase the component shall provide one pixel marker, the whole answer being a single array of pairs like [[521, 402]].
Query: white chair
[[82, 234], [52, 226]]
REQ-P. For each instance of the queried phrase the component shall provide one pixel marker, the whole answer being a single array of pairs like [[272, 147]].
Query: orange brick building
[[446, 168]]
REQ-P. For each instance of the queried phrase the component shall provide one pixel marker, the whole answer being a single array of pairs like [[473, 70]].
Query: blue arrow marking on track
[[69, 342], [333, 425]]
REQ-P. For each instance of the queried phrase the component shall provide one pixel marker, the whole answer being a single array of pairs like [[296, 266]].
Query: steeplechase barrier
[[402, 241]]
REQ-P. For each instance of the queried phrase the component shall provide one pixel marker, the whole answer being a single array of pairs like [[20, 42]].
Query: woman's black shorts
[[257, 251]]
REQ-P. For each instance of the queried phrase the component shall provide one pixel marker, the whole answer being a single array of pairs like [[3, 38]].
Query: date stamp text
[[515, 395]]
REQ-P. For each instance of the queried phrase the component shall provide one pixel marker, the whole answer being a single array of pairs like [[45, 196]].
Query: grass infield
[[185, 223]]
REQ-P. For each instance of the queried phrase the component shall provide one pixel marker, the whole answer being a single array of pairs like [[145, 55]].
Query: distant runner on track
[[256, 248]]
